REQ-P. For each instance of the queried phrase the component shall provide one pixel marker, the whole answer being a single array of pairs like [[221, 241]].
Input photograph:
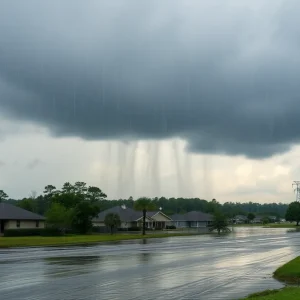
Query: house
[[192, 219], [132, 218], [272, 219], [240, 219], [13, 217], [257, 220]]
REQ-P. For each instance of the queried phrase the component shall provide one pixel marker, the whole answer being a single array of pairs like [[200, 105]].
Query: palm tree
[[112, 221], [219, 223], [144, 204]]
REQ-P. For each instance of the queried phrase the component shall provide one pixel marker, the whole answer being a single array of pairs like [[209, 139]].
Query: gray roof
[[11, 212], [178, 217], [193, 216], [126, 215], [153, 213]]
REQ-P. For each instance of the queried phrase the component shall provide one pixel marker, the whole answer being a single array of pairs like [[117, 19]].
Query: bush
[[22, 232], [34, 232], [170, 227], [134, 229], [52, 231]]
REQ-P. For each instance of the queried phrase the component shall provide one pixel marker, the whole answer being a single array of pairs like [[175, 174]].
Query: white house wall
[[12, 224], [160, 218]]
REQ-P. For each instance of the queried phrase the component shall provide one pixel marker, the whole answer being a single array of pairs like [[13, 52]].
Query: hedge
[[170, 227], [32, 232]]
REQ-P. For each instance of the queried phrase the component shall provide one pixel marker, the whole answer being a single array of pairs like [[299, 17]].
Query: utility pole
[[296, 186]]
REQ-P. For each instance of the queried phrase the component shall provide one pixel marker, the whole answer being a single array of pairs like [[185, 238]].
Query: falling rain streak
[[106, 174], [155, 171], [208, 188], [131, 167], [180, 181], [121, 158]]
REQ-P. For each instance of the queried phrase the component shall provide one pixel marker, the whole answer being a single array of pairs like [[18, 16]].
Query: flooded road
[[195, 267]]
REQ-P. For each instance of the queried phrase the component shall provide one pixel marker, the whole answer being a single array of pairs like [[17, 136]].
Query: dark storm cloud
[[222, 75]]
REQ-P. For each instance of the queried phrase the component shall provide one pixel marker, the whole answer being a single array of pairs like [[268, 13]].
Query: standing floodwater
[[196, 267]]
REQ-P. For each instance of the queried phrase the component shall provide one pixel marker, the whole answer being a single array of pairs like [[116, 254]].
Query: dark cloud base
[[106, 71]]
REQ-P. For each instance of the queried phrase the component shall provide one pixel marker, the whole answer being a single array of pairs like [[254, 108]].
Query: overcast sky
[[151, 98]]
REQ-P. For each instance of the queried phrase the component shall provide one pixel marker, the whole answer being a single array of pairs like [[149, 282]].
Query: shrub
[[134, 229], [170, 227], [22, 232], [52, 231], [34, 232]]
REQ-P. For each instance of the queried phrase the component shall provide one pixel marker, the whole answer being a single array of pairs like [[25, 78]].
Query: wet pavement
[[195, 267]]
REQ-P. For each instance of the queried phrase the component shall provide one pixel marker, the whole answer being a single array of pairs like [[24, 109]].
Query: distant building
[[13, 217], [239, 219], [257, 220], [132, 218], [192, 219]]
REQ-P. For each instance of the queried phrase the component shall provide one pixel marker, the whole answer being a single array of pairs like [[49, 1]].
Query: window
[[18, 223], [37, 224]]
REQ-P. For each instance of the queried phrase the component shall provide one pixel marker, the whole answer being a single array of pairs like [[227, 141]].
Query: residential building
[[132, 218], [13, 217], [257, 220], [239, 219], [192, 219]]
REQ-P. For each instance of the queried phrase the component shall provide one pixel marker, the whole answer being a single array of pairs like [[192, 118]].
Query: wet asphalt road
[[197, 267]]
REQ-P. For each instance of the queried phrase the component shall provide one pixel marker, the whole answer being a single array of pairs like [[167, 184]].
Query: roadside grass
[[270, 225], [247, 225], [282, 225], [288, 293], [6, 242], [288, 273]]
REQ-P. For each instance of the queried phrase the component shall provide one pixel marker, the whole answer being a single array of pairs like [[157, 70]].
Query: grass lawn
[[282, 225], [288, 293], [271, 225], [6, 242], [246, 225], [289, 273]]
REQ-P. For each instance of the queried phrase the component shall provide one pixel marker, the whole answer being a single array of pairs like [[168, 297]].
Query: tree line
[[40, 204]]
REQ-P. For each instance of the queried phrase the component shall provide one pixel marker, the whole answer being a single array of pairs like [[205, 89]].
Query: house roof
[[178, 217], [126, 214], [193, 216], [154, 213], [11, 212]]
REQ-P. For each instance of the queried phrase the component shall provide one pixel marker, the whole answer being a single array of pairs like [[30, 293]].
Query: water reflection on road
[[195, 267]]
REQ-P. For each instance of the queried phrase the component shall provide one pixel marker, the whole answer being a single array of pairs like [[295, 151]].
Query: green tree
[[112, 221], [28, 204], [80, 187], [83, 214], [3, 196], [49, 190], [219, 223], [68, 188], [94, 194], [293, 213], [68, 200], [144, 204], [213, 206], [59, 216], [265, 220], [250, 217]]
